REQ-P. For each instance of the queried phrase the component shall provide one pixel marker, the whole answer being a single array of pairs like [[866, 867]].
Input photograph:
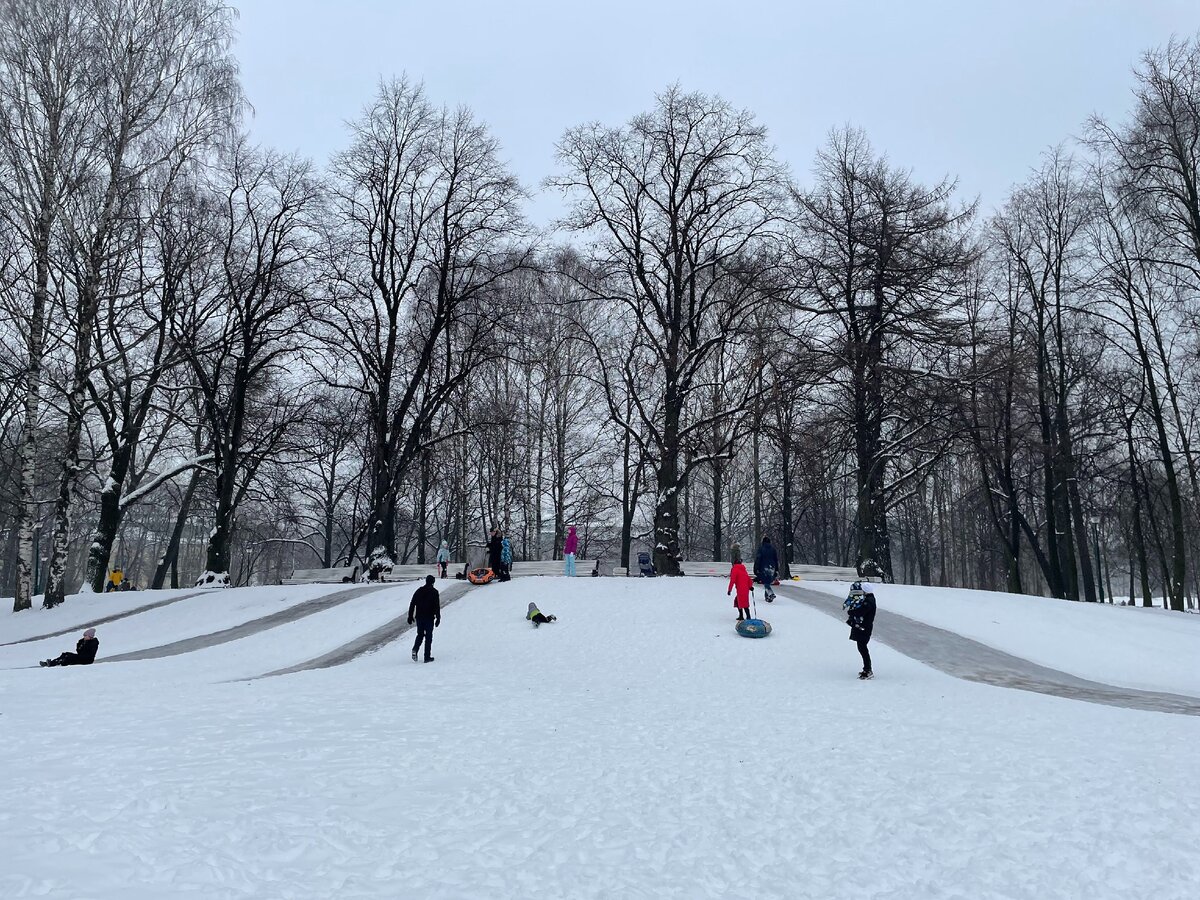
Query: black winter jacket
[[862, 620], [766, 558], [426, 604], [495, 552], [87, 648]]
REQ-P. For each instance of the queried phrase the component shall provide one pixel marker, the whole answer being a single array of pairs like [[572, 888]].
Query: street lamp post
[[1099, 565]]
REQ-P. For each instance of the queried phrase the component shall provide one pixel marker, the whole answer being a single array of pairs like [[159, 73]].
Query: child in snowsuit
[[84, 655], [739, 578], [443, 558], [860, 616], [537, 618]]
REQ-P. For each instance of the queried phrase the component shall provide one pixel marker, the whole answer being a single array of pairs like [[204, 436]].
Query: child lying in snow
[[535, 616]]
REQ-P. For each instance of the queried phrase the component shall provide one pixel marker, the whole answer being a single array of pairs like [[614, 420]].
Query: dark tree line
[[221, 363]]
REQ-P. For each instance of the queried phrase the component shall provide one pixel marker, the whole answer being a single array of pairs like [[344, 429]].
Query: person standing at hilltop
[[570, 545]]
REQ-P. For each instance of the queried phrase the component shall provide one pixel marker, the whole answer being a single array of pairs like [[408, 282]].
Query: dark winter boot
[[429, 659], [414, 656], [865, 675]]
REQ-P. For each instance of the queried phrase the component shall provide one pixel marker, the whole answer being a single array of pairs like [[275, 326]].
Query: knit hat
[[90, 633], [532, 607]]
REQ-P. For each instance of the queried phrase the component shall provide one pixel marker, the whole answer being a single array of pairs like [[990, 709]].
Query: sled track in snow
[[970, 660], [158, 604], [368, 643], [292, 614]]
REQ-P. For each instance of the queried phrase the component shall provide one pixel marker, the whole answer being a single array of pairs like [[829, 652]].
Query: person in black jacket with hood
[[84, 655], [426, 608], [860, 616], [766, 564]]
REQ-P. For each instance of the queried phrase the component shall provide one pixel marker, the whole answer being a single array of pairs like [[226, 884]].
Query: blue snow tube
[[753, 628]]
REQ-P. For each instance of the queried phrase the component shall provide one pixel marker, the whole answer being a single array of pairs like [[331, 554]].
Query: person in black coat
[[495, 552], [85, 652], [860, 616], [426, 609], [766, 564]]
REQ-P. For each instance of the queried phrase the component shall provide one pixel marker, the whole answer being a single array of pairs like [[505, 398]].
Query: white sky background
[[972, 88]]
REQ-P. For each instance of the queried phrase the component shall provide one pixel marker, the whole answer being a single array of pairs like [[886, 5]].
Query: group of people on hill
[[859, 606], [500, 554]]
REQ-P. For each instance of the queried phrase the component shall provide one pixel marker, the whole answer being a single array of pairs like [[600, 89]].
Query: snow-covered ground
[[1150, 649], [636, 748]]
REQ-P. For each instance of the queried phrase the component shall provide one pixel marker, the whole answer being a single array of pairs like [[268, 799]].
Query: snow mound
[[590, 758]]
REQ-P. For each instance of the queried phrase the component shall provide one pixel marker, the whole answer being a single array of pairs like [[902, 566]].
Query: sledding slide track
[[368, 643], [964, 658], [254, 626], [158, 604]]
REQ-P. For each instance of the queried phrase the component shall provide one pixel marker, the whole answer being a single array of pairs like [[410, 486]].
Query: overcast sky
[[972, 88]]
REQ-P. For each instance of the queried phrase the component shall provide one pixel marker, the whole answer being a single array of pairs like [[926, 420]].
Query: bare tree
[[678, 204], [426, 230], [245, 343], [881, 260]]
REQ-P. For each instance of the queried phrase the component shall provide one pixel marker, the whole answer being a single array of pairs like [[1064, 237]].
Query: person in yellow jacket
[[114, 581]]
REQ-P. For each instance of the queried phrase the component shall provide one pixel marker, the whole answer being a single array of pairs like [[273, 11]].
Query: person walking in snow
[[443, 558], [505, 572], [426, 610], [570, 545], [739, 579], [766, 564], [860, 616], [85, 652], [537, 618]]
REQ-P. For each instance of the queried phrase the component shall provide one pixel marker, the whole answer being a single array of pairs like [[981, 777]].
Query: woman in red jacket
[[739, 578]]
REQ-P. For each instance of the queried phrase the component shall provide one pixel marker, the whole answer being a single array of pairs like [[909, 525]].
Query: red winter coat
[[739, 578]]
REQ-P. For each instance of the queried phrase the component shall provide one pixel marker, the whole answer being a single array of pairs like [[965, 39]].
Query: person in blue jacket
[[766, 564]]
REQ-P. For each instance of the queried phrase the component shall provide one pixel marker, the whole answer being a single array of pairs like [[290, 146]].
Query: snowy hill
[[635, 748]]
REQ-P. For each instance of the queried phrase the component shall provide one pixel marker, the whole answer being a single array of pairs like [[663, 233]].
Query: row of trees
[[222, 363]]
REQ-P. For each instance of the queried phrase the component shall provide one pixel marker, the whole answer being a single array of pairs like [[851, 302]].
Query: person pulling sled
[[739, 579]]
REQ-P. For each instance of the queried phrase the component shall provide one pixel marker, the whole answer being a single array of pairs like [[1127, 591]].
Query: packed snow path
[[254, 626], [95, 623], [371, 641], [964, 658]]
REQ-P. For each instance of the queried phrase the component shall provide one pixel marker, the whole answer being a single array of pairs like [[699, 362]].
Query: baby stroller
[[645, 567]]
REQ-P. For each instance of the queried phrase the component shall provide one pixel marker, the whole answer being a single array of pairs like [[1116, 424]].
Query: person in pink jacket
[[569, 547], [739, 578]]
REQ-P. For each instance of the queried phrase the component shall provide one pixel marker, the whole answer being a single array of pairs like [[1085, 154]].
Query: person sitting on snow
[[739, 578], [84, 655], [537, 618]]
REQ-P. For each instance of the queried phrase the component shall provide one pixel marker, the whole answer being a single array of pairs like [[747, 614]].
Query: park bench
[[800, 571], [343, 575], [414, 571], [583, 567]]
